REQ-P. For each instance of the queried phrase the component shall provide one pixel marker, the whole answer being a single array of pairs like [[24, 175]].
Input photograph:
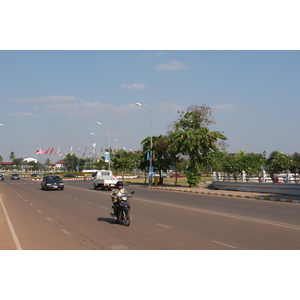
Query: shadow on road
[[107, 220]]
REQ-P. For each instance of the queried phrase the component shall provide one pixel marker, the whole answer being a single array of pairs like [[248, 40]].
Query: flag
[[116, 148], [38, 151]]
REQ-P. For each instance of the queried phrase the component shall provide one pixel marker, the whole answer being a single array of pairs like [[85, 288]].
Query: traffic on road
[[78, 217]]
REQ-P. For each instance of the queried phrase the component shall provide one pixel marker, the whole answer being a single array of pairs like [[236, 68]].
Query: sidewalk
[[238, 194]]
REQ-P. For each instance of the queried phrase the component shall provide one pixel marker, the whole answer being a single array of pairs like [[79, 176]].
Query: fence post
[[264, 176], [243, 176]]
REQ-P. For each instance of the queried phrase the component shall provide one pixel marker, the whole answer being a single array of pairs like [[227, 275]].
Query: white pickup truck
[[104, 179]]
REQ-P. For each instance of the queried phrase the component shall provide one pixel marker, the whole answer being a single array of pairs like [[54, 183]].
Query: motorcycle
[[123, 210]]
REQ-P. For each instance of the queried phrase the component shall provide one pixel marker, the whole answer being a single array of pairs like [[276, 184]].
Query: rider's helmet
[[119, 183]]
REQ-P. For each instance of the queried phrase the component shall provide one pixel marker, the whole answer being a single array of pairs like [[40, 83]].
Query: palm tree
[[12, 156]]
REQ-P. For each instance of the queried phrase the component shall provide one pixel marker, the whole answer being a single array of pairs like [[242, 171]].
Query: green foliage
[[71, 162], [192, 138], [295, 166], [124, 161], [238, 162], [277, 163], [193, 178]]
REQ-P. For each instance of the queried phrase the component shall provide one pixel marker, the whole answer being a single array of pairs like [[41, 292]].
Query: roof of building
[[6, 163], [61, 162]]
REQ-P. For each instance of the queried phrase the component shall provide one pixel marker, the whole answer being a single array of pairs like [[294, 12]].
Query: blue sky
[[54, 98]]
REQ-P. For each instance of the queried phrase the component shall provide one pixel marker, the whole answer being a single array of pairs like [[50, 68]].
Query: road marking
[[290, 212], [223, 244], [163, 225], [39, 211], [88, 202], [118, 247], [31, 204], [212, 212], [65, 231], [104, 207], [12, 231], [49, 219]]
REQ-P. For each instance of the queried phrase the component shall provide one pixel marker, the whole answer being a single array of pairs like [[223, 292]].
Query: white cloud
[[225, 108], [83, 109], [45, 99], [134, 86], [23, 114], [171, 66]]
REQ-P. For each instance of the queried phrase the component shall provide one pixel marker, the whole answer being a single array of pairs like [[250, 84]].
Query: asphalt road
[[78, 218]]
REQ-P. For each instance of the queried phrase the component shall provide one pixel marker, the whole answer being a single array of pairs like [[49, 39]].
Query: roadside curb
[[184, 190]]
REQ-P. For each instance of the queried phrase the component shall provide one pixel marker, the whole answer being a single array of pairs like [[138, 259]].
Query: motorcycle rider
[[119, 191]]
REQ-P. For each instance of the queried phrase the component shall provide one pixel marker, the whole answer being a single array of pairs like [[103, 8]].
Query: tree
[[277, 163], [71, 162], [192, 137], [12, 156], [1, 158], [123, 160], [161, 159], [295, 166]]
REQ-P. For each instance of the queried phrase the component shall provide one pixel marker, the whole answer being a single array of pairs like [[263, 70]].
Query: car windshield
[[53, 178]]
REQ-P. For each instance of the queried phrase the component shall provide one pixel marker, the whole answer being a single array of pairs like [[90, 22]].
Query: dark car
[[15, 177], [1, 175], [52, 182], [70, 175], [36, 175]]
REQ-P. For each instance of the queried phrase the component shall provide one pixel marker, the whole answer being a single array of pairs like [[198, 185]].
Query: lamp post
[[98, 123], [151, 127], [94, 155]]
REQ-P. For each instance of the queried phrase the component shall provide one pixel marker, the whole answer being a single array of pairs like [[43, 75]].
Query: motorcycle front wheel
[[127, 218], [119, 217]]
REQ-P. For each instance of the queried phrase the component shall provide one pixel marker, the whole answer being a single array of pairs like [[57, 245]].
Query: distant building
[[60, 164], [30, 159]]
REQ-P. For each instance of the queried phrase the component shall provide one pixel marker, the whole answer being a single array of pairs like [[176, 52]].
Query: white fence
[[279, 178]]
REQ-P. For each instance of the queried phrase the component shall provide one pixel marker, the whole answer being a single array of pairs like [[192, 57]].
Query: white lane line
[[88, 202], [104, 207], [217, 213], [31, 204], [13, 233], [49, 219], [223, 244], [38, 210], [65, 231], [290, 212], [163, 225], [118, 247]]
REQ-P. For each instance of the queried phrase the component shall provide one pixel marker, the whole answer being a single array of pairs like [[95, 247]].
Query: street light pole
[[151, 128], [98, 123], [95, 147]]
